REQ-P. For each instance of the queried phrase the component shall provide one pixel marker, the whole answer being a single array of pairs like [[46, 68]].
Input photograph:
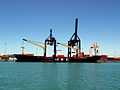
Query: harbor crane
[[71, 48], [51, 41], [38, 46], [74, 40]]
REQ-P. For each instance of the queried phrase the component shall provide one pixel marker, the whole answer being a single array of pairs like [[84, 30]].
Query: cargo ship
[[92, 58], [73, 44]]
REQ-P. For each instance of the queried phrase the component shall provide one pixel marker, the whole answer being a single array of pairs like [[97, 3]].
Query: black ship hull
[[25, 58], [93, 59]]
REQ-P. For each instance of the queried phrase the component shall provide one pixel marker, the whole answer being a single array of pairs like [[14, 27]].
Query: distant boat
[[7, 58]]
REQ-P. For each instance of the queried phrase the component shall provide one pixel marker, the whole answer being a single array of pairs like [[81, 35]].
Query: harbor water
[[59, 76]]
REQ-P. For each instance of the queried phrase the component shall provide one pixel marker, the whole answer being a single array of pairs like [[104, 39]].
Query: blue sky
[[99, 21]]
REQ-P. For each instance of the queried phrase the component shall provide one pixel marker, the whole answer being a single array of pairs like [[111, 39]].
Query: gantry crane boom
[[37, 45], [66, 46], [71, 48]]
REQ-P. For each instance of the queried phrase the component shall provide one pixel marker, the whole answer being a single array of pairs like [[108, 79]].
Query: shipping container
[[5, 58], [111, 59], [117, 59], [60, 56], [29, 54]]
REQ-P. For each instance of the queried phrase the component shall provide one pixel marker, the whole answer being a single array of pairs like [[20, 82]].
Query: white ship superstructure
[[93, 51]]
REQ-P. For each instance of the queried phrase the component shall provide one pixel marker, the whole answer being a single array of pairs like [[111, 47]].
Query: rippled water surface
[[59, 76]]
